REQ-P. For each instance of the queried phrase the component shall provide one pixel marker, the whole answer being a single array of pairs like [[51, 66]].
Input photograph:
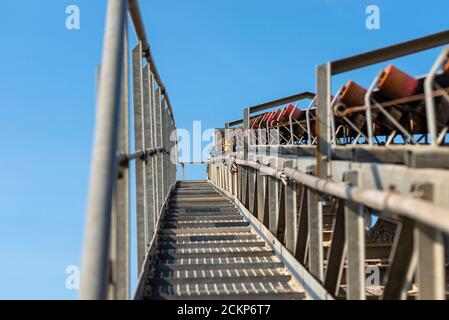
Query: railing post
[[148, 85], [157, 144], [244, 176], [315, 228], [160, 136], [355, 235], [430, 245], [139, 144], [260, 192], [104, 162], [252, 201], [290, 210], [323, 121], [120, 253], [273, 195]]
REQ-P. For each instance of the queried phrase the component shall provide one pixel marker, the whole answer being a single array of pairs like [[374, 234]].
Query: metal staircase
[[206, 250]]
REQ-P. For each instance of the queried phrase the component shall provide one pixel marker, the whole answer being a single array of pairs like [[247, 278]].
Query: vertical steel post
[[355, 235], [430, 245], [315, 228], [160, 170], [244, 176], [337, 252], [290, 210], [104, 162], [139, 144], [153, 158], [261, 182], [119, 256], [324, 120], [273, 194], [403, 259], [251, 173], [245, 132], [148, 167]]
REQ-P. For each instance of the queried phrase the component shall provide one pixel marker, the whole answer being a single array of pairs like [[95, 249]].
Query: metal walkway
[[207, 250]]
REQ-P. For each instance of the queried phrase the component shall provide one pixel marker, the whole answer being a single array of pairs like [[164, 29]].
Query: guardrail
[[106, 255], [271, 195]]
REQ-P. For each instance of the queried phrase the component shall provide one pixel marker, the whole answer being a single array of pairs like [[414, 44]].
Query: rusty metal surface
[[395, 83]]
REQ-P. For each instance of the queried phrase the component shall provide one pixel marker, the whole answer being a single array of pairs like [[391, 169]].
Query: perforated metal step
[[206, 250]]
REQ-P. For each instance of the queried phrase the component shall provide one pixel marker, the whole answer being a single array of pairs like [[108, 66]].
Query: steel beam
[[403, 259], [391, 52], [337, 253], [302, 240]]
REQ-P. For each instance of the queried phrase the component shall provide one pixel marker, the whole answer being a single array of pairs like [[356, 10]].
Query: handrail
[[298, 223], [275, 103], [142, 154], [388, 53], [139, 27], [409, 207], [106, 254]]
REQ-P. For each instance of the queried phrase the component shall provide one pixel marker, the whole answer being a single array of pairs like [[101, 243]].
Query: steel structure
[[287, 211]]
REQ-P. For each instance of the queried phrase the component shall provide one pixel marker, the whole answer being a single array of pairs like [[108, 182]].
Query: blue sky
[[215, 57]]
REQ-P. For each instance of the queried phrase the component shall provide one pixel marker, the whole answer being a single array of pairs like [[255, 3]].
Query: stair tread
[[206, 249], [224, 289]]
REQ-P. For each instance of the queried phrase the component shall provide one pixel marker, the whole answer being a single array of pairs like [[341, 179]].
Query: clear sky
[[215, 57]]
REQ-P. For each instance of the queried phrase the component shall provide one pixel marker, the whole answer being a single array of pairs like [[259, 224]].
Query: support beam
[[337, 252]]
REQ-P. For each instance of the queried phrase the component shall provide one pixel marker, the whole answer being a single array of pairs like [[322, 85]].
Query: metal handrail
[[406, 206], [139, 28], [106, 254]]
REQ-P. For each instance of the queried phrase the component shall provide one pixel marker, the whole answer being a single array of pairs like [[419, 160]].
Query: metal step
[[211, 244], [217, 263], [258, 290], [200, 213], [204, 224], [199, 231], [200, 206], [164, 277], [207, 237], [188, 199], [213, 252], [198, 218]]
